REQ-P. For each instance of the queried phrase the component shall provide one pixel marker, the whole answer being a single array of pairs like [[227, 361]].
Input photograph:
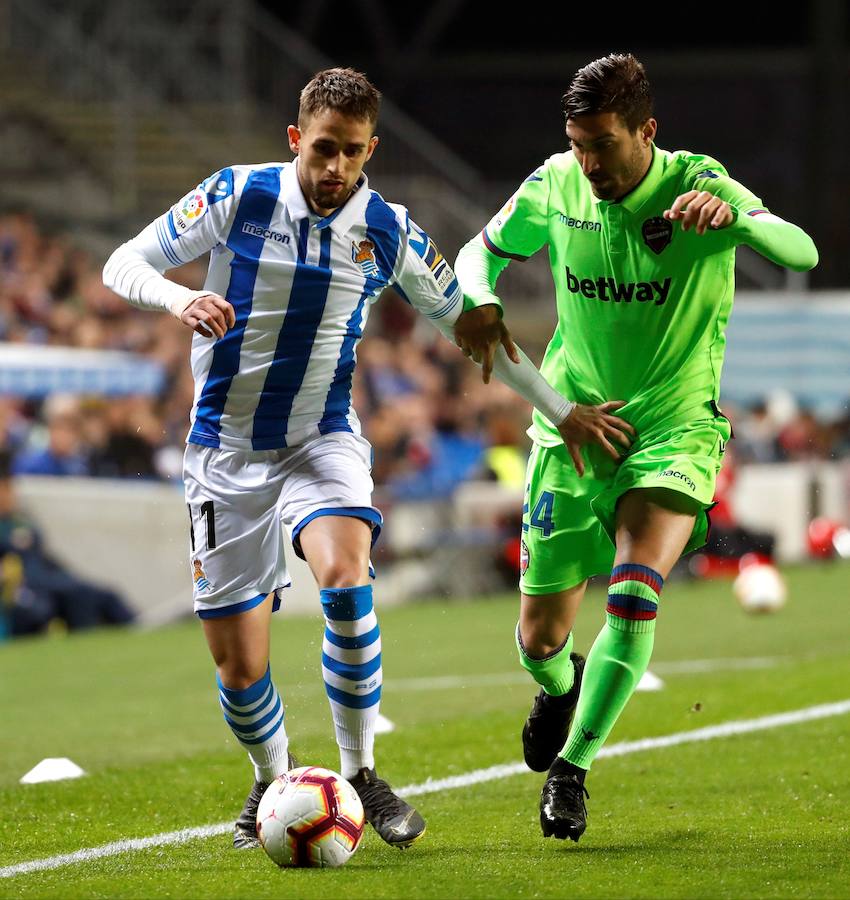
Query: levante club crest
[[657, 233]]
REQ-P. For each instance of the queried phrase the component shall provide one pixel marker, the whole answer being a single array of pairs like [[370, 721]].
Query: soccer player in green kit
[[642, 247]]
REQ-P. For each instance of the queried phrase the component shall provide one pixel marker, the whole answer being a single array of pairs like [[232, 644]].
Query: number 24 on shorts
[[541, 515]]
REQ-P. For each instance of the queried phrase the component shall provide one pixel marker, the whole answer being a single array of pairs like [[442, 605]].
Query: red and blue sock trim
[[633, 606]]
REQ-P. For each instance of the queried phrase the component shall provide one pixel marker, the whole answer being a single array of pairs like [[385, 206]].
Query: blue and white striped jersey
[[301, 287]]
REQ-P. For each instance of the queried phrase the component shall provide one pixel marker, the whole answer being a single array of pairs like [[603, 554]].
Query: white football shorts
[[240, 502]]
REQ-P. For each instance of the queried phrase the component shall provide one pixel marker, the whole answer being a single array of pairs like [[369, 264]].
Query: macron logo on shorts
[[672, 473], [265, 233]]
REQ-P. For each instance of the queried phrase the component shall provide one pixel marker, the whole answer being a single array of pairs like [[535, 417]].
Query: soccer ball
[[760, 588], [310, 817]]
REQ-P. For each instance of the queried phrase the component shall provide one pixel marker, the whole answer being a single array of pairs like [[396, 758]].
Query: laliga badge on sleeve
[[190, 210]]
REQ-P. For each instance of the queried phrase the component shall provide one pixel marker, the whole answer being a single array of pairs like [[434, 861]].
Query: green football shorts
[[568, 523]]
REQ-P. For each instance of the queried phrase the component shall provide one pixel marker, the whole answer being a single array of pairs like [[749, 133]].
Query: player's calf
[[548, 723], [559, 676]]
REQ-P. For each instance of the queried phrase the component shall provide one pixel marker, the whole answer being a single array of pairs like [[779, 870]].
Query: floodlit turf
[[759, 815]]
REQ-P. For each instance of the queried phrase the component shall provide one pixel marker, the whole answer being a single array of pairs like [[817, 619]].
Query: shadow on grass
[[672, 839]]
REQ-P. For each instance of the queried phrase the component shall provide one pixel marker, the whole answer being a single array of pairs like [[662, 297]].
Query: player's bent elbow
[[108, 274], [810, 259], [112, 268]]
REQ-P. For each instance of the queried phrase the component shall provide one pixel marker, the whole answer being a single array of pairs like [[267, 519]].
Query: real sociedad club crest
[[657, 233], [201, 582], [364, 255]]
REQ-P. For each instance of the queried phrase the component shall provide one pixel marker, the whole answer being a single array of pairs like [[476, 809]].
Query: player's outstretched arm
[[731, 206], [577, 423], [479, 329], [434, 289]]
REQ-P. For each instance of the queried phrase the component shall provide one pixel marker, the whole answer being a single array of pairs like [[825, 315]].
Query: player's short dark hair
[[343, 90], [615, 83]]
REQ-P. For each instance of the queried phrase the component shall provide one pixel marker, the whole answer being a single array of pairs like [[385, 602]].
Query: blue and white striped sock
[[255, 715], [351, 668]]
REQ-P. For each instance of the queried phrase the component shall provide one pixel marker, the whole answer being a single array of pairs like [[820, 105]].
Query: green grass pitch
[[757, 815]]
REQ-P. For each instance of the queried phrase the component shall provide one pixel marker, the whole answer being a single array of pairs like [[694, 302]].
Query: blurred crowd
[[430, 419]]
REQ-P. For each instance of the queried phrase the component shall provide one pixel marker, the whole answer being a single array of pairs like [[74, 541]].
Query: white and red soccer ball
[[310, 817], [759, 588]]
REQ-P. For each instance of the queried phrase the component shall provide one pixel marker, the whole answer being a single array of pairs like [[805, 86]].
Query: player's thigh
[[331, 479], [663, 491], [236, 551], [337, 550], [654, 526], [563, 542]]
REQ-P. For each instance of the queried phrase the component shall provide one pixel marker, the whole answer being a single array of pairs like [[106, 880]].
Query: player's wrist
[[482, 300], [181, 300], [564, 412]]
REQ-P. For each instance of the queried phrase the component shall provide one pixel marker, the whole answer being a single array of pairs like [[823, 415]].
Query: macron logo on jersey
[[581, 224], [607, 289], [265, 233]]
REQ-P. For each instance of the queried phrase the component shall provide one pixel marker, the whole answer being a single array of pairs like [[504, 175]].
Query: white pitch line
[[479, 776], [709, 733], [157, 840]]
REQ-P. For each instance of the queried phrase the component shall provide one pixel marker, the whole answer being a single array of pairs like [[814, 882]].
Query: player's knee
[[540, 639], [237, 675], [342, 573]]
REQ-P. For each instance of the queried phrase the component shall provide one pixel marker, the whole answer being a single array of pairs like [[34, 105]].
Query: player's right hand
[[209, 315], [595, 425]]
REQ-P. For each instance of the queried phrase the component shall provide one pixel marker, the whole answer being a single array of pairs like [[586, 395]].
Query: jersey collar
[[635, 199], [340, 220], [644, 189]]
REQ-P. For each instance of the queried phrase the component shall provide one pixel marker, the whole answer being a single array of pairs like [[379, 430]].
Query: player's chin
[[604, 190], [332, 198]]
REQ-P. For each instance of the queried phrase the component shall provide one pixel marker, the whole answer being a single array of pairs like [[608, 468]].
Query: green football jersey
[[642, 305]]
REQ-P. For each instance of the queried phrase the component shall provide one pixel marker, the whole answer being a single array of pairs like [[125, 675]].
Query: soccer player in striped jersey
[[298, 252], [642, 247]]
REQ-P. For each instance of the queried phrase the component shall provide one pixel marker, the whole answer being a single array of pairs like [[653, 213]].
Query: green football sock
[[555, 672], [617, 660]]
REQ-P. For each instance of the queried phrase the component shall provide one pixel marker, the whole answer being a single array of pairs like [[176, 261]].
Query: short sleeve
[[521, 227], [425, 278]]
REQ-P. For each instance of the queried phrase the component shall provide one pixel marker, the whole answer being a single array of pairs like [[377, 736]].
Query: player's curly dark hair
[[615, 83], [342, 90]]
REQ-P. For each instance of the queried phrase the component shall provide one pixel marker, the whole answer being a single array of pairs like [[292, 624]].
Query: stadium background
[[110, 113]]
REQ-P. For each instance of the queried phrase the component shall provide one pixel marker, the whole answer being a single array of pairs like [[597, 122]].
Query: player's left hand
[[478, 332], [700, 209]]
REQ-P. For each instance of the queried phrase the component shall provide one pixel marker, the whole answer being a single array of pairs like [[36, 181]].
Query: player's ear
[[293, 132], [373, 142], [648, 131]]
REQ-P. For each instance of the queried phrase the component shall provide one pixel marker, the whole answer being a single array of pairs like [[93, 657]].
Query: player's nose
[[589, 163]]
